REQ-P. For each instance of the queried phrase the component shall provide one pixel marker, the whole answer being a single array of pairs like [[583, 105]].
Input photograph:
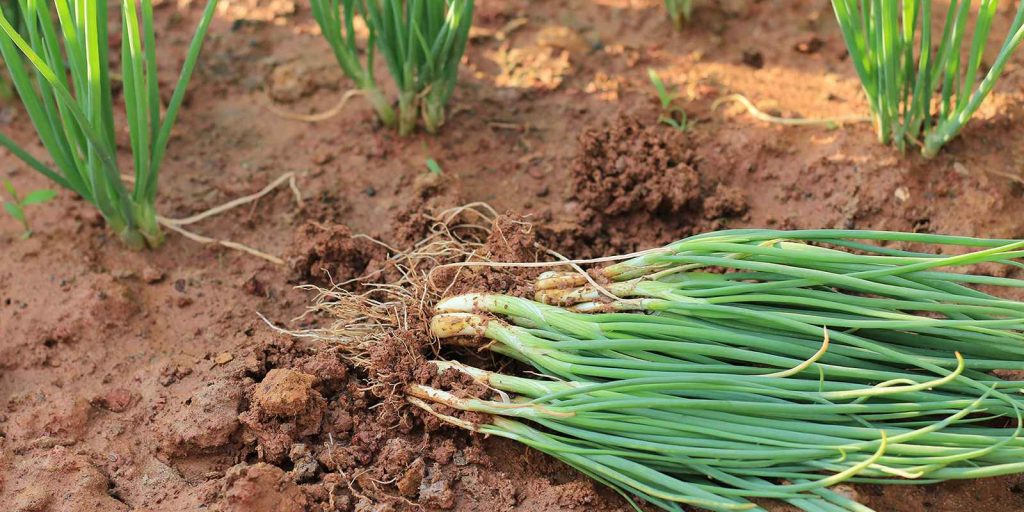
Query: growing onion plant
[[61, 70], [337, 23], [924, 85], [744, 365], [679, 11], [422, 42]]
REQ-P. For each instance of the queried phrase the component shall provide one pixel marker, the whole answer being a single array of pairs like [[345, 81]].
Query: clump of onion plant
[[758, 364], [920, 86], [337, 23], [422, 42], [61, 70], [679, 11]]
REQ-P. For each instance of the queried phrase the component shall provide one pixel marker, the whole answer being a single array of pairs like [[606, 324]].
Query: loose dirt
[[147, 381]]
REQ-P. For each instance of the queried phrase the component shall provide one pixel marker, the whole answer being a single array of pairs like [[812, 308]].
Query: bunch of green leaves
[[337, 23], [679, 11], [920, 88], [61, 70], [670, 114], [422, 42], [15, 207]]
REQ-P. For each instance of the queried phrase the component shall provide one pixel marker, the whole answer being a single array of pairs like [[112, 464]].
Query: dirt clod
[[204, 421], [330, 254], [115, 400], [260, 487], [284, 408], [152, 275], [284, 393]]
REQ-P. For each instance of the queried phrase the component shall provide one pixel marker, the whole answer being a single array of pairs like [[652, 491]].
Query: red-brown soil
[[147, 381]]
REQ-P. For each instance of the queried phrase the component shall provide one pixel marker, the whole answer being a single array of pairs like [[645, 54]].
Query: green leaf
[[433, 166], [16, 211], [38, 196], [663, 94], [10, 189]]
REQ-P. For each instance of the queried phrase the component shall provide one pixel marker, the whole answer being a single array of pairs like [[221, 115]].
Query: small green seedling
[[16, 206], [433, 167], [670, 115]]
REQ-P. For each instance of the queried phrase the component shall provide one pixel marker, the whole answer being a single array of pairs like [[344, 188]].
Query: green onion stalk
[[11, 9], [718, 442], [337, 23], [61, 71], [919, 87], [423, 42], [819, 356], [679, 11]]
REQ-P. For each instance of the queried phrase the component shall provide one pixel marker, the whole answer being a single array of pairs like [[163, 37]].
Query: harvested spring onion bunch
[[422, 42], [337, 23], [679, 11], [72, 105], [717, 441], [709, 371], [919, 86]]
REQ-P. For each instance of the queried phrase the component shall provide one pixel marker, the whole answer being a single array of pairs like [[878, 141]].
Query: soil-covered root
[[379, 319]]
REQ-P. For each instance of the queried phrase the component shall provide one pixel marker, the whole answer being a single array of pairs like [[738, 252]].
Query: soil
[[148, 381]]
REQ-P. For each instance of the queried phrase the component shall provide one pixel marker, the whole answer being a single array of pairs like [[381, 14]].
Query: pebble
[[151, 275]]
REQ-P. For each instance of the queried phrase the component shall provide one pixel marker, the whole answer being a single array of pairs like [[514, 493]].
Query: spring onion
[[422, 42], [679, 11], [744, 365], [337, 23], [917, 87], [72, 106]]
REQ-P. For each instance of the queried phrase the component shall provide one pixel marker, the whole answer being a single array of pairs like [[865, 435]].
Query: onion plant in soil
[[923, 85], [745, 365], [337, 23], [60, 66], [422, 42], [679, 11]]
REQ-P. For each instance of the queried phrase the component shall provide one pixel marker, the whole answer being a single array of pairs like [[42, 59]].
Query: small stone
[[809, 45], [409, 484], [115, 400], [323, 157], [223, 358], [753, 58], [304, 464], [902, 194], [370, 191], [151, 275]]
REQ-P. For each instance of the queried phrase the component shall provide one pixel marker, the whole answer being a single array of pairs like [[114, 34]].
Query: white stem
[[447, 325], [461, 303], [476, 373], [558, 280]]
